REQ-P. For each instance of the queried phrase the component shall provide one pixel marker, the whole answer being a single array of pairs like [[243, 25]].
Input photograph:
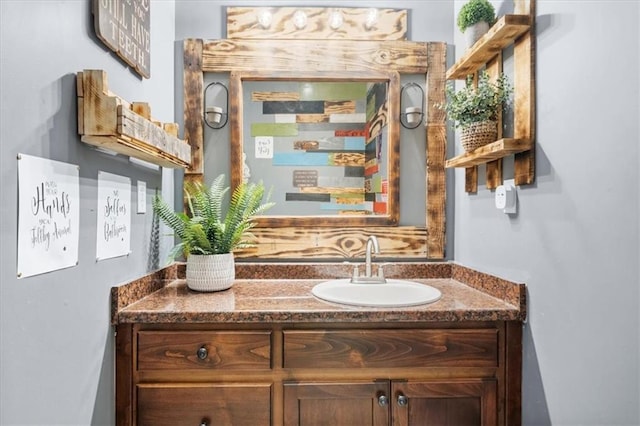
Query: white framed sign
[[48, 215], [114, 216]]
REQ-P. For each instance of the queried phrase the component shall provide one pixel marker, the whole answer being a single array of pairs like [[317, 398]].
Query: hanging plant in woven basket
[[478, 134], [475, 109]]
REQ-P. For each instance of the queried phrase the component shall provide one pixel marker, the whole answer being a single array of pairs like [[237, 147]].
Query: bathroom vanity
[[267, 352]]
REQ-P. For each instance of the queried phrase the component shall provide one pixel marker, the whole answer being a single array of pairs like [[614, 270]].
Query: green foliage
[[476, 11], [472, 105], [206, 230]]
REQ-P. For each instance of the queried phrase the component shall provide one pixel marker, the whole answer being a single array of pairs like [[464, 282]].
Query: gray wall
[[575, 239], [56, 342]]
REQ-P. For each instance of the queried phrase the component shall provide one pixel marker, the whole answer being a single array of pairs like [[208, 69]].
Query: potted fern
[[209, 237], [475, 110], [474, 20]]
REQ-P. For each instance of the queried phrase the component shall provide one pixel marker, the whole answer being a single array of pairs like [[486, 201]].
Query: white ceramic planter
[[214, 272], [474, 32]]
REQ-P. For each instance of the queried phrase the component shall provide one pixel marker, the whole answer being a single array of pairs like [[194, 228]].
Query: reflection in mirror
[[328, 146]]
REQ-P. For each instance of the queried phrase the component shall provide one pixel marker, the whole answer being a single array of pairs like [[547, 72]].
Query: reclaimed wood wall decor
[[359, 44], [107, 121], [324, 151]]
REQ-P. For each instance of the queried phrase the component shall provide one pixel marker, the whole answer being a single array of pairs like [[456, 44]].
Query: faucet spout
[[372, 245]]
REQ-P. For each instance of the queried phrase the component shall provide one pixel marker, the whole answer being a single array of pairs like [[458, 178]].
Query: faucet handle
[[356, 272], [380, 271]]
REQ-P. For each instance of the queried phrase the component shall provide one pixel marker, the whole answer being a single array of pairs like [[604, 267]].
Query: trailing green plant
[[206, 230], [476, 11], [475, 104]]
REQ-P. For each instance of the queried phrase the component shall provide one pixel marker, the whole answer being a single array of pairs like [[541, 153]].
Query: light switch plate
[[142, 197]]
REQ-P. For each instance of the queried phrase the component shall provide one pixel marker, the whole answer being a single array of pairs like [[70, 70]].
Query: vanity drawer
[[390, 348], [211, 404], [229, 350]]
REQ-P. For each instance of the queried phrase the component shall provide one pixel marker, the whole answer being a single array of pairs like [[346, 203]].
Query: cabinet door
[[450, 403], [332, 404], [204, 404]]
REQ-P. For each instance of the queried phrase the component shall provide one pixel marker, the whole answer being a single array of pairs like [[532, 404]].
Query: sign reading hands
[[48, 215]]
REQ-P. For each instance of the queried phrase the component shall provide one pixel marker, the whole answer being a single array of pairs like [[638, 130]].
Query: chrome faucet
[[372, 247]]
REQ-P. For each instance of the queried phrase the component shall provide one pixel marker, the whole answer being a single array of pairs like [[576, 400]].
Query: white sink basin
[[392, 293]]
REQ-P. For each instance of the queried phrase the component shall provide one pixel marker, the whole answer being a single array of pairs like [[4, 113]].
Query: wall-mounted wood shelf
[[498, 149], [517, 29], [501, 35], [109, 122]]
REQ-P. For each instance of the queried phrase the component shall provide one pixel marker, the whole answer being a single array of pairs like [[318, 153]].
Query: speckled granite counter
[[281, 292]]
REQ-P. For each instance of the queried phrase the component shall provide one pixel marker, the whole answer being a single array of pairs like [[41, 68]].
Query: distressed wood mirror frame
[[277, 52], [392, 142]]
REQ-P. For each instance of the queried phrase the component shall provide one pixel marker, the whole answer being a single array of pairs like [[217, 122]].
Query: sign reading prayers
[[114, 216], [48, 215], [123, 25]]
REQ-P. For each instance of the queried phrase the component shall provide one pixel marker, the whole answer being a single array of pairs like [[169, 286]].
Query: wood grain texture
[[389, 348], [471, 179], [492, 151], [109, 122], [225, 350], [274, 96], [308, 55], [331, 58], [494, 168], [335, 243], [449, 403], [193, 109], [524, 120], [124, 374], [500, 35], [513, 373], [436, 152], [206, 403], [356, 23], [179, 396], [336, 404]]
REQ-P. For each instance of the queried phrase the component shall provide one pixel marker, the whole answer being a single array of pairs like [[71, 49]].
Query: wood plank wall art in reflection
[[328, 137]]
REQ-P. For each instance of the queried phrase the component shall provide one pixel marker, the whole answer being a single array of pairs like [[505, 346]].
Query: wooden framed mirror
[[326, 143], [330, 59]]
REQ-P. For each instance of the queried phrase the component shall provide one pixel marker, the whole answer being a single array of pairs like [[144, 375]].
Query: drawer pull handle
[[402, 400], [383, 400], [202, 353]]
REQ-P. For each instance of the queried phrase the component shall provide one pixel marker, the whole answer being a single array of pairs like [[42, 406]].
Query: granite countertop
[[270, 292]]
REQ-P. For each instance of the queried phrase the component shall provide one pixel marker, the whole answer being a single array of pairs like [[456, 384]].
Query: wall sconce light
[[411, 117], [216, 117]]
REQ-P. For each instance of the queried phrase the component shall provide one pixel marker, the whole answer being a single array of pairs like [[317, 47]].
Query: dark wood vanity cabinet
[[395, 402], [319, 374]]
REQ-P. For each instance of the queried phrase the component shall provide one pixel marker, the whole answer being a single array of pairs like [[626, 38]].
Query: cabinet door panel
[[452, 403], [211, 404], [332, 404]]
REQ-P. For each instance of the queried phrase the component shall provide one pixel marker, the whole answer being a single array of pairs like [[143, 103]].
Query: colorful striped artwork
[[327, 138]]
